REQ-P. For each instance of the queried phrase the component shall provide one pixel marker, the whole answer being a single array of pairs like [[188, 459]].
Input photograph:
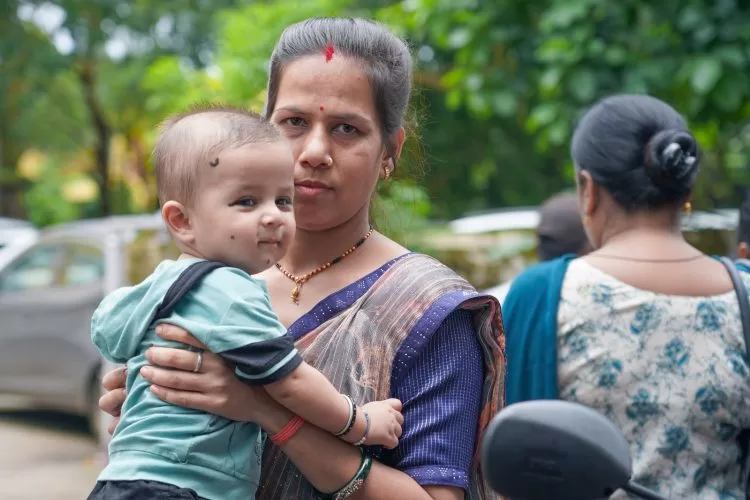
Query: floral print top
[[670, 371]]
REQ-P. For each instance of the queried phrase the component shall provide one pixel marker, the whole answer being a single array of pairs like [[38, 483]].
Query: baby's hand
[[385, 423]]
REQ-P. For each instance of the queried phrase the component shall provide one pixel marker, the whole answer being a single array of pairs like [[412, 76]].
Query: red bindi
[[322, 108], [329, 50]]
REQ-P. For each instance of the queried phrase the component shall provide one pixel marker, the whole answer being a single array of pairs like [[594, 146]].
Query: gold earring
[[586, 220], [387, 173], [688, 207]]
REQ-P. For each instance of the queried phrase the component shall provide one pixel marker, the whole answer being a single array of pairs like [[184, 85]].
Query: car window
[[33, 271], [84, 265]]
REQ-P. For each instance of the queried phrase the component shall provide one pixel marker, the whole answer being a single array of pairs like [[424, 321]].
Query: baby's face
[[243, 213]]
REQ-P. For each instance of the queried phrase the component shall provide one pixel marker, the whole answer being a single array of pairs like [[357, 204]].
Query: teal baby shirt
[[230, 312]]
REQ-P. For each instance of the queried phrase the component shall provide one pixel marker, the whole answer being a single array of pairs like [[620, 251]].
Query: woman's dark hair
[[639, 149], [384, 57]]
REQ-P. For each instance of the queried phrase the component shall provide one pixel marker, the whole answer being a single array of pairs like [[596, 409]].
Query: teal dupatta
[[530, 323]]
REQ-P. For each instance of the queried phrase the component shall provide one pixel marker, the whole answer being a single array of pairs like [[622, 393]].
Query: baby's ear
[[178, 221]]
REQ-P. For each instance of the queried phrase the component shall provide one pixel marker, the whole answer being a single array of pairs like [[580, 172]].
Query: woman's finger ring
[[198, 362]]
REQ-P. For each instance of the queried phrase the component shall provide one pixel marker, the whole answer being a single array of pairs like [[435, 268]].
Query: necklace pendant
[[301, 280]]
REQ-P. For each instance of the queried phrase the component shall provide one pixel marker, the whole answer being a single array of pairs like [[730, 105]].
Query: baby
[[225, 181]]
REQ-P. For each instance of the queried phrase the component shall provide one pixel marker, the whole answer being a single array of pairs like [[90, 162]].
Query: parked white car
[[15, 237], [48, 292]]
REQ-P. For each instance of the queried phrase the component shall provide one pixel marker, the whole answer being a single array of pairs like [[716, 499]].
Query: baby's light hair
[[193, 140]]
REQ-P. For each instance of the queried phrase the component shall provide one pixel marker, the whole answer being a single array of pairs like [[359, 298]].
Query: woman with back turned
[[646, 328]]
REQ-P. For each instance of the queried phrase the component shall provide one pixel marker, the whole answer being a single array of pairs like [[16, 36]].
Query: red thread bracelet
[[288, 431]]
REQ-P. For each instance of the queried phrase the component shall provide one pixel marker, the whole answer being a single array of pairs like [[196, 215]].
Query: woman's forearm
[[341, 463], [309, 394]]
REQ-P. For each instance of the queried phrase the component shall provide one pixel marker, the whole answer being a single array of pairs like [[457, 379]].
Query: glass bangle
[[354, 483]]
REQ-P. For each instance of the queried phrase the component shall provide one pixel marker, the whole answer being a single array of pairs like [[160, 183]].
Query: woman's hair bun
[[671, 159]]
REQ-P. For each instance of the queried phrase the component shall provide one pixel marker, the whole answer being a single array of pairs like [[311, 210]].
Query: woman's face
[[326, 110]]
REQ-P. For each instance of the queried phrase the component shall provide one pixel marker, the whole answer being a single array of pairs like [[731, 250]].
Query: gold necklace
[[653, 261], [301, 280]]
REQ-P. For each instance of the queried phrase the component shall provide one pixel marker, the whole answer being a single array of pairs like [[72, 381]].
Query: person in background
[[560, 229], [645, 329], [560, 232]]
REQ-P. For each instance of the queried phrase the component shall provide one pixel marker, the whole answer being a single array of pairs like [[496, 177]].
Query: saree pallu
[[357, 349]]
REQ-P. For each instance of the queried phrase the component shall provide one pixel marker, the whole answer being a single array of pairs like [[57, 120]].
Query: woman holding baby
[[376, 319]]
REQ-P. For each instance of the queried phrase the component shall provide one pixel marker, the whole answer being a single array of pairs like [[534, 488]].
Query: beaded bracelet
[[352, 417], [354, 483], [367, 430]]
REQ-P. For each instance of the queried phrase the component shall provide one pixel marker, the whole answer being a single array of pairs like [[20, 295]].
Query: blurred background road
[[45, 455]]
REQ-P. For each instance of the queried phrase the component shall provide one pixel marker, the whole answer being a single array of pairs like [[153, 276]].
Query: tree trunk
[[11, 200], [11, 187], [102, 131]]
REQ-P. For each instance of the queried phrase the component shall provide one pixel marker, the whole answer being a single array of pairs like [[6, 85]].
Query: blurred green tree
[[533, 67], [105, 47], [499, 86]]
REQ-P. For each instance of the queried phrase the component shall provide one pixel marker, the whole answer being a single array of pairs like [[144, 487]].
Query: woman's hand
[[113, 399], [214, 389]]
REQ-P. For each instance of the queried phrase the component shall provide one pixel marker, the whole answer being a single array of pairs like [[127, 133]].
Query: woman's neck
[[647, 242], [312, 249], [623, 226]]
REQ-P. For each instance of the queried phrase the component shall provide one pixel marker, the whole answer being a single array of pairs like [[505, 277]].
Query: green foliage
[[28, 63], [538, 65], [107, 46], [499, 86], [245, 39], [45, 204], [248, 36], [401, 210]]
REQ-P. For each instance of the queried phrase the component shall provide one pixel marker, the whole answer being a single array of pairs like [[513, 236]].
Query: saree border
[[337, 301]]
